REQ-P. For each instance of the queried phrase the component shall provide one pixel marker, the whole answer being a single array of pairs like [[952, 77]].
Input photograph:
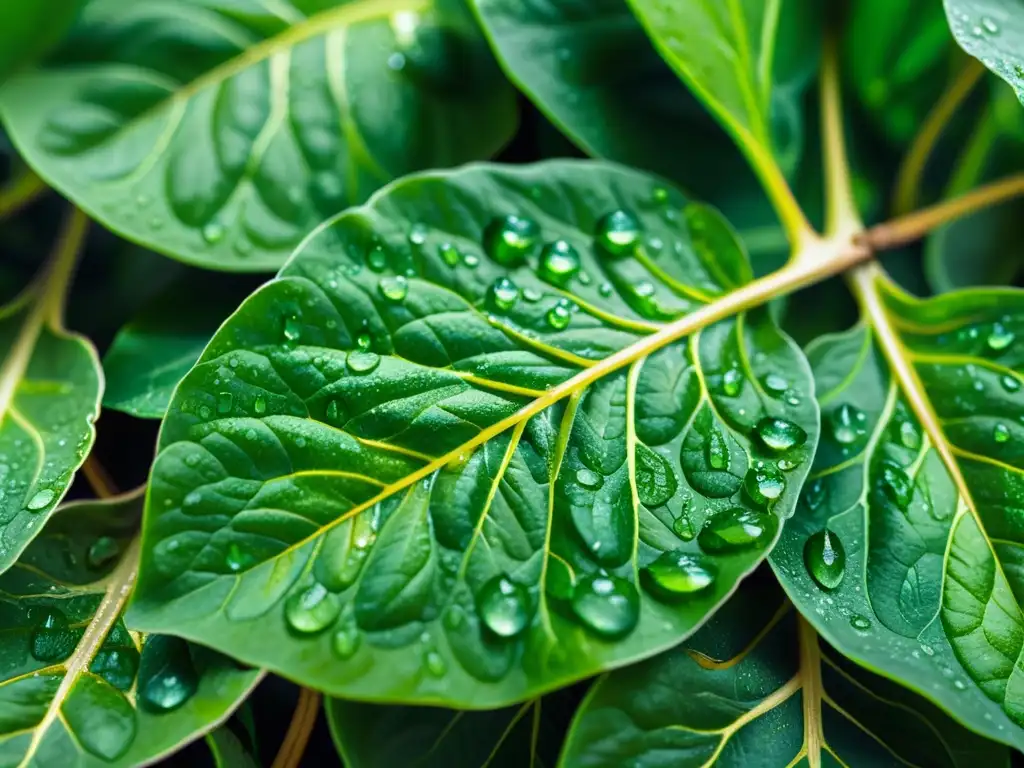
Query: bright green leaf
[[757, 688], [29, 29], [50, 387], [922, 499], [221, 132], [78, 687], [412, 467], [992, 31]]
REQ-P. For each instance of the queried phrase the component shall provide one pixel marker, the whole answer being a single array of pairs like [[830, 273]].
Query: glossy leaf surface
[[78, 688], [220, 132], [50, 386], [379, 481], [756, 687], [992, 31], [924, 512]]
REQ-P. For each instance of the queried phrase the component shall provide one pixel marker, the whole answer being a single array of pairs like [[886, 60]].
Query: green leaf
[[897, 58], [417, 467], [992, 31], [29, 30], [151, 354], [228, 750], [373, 735], [917, 481], [220, 133], [50, 387], [757, 687], [78, 687]]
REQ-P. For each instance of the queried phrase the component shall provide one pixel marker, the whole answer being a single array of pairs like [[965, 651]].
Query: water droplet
[[737, 528], [909, 435], [559, 261], [510, 239], [1000, 433], [471, 260], [779, 435], [990, 25], [588, 478], [364, 342], [167, 677], [52, 639], [312, 610], [1000, 337], [860, 623], [292, 328], [764, 484], [732, 382], [345, 641], [675, 574], [504, 606], [775, 385], [825, 559], [928, 650], [360, 362], [417, 234], [449, 254], [393, 288], [617, 233], [960, 685], [605, 289], [659, 195], [716, 451], [224, 402], [848, 424], [260, 405], [376, 259], [655, 480], [40, 500], [682, 527], [1010, 383], [895, 484], [560, 314], [606, 605], [102, 551], [435, 663], [396, 61], [503, 294], [213, 232], [116, 665]]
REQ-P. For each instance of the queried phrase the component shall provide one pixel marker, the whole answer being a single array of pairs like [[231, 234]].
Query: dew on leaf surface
[[167, 677], [677, 574], [510, 239], [606, 605], [312, 609], [504, 606], [559, 261], [617, 233], [825, 559], [735, 529]]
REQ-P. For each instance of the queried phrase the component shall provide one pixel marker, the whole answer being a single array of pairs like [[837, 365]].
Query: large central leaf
[[457, 453], [221, 131], [907, 549]]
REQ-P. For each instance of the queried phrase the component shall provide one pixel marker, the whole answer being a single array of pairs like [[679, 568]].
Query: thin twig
[[303, 720], [98, 478], [907, 229]]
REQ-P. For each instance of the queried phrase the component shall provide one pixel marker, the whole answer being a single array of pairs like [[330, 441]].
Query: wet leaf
[[992, 32]]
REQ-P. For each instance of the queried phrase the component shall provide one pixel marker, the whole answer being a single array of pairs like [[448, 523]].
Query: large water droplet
[[40, 499], [774, 384], [225, 401], [716, 451], [360, 362], [292, 328], [588, 478], [503, 294], [737, 528], [52, 639], [376, 259], [732, 382], [617, 233], [825, 559], [345, 641], [102, 551], [504, 606], [895, 484], [1000, 433], [116, 665], [656, 482], [1000, 337], [213, 232], [394, 288], [560, 315], [848, 424], [779, 435], [606, 605], [449, 254], [676, 574], [259, 406], [559, 261], [1010, 383], [764, 484], [312, 610], [510, 239], [682, 524], [860, 623], [167, 678], [910, 437]]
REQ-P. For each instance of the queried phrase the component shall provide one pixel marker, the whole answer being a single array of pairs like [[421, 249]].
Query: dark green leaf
[[415, 451], [78, 687], [221, 132], [918, 479], [992, 31], [228, 750], [29, 29], [756, 687]]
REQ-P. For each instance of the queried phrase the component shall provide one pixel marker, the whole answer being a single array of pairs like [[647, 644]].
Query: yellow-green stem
[[303, 719], [23, 188], [842, 221]]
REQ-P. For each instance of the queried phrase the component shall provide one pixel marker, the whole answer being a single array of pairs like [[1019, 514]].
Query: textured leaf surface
[[403, 468], [926, 521], [756, 687], [50, 387], [992, 31], [151, 354], [78, 688], [220, 132]]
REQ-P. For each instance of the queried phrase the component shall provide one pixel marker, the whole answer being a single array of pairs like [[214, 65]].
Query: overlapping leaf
[[992, 31], [50, 386], [77, 688], [221, 131], [756, 687], [917, 487], [435, 459]]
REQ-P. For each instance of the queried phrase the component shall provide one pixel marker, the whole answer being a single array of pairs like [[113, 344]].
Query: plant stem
[[842, 220], [906, 229], [24, 188], [295, 740], [908, 181], [98, 478], [811, 686], [799, 231]]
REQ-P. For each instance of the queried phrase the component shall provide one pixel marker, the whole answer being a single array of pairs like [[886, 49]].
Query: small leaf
[[757, 686], [991, 31], [449, 496], [50, 387], [918, 475], [220, 134], [79, 684]]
